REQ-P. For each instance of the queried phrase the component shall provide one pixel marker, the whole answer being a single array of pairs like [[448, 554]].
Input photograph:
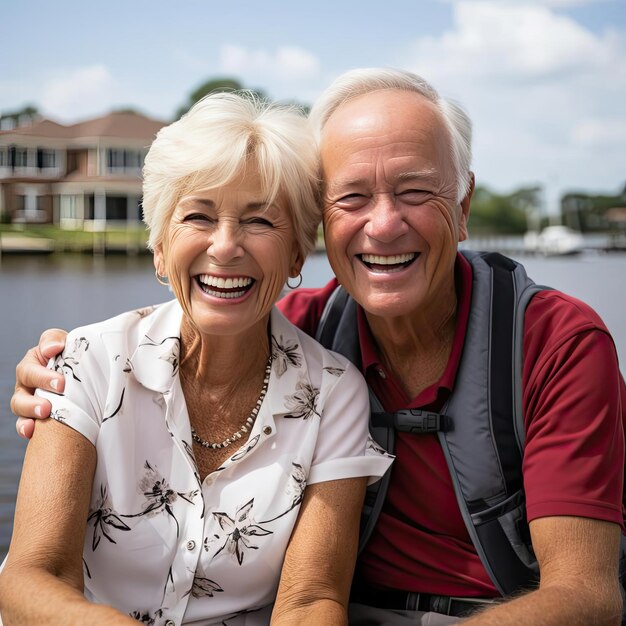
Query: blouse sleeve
[[344, 447], [80, 405]]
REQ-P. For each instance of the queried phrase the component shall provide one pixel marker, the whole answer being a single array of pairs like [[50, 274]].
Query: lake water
[[67, 291]]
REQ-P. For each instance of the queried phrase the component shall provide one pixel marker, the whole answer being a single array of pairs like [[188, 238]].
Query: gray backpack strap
[[484, 449], [338, 331]]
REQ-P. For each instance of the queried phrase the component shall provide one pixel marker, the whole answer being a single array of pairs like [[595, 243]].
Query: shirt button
[[191, 545], [381, 373], [170, 623], [267, 430]]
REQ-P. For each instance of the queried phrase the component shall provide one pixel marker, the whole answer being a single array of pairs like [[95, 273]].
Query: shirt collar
[[155, 360]]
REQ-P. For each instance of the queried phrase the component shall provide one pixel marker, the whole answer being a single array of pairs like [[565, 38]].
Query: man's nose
[[385, 221], [225, 243]]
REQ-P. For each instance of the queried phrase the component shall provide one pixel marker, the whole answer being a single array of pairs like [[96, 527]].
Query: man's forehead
[[339, 181], [393, 104]]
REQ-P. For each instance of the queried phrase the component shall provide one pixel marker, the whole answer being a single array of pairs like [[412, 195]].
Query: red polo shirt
[[574, 402]]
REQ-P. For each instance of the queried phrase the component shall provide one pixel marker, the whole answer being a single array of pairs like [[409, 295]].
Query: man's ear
[[465, 209]]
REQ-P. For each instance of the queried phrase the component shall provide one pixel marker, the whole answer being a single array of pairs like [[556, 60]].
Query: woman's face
[[227, 253]]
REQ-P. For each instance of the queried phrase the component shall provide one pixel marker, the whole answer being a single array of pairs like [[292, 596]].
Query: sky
[[544, 81]]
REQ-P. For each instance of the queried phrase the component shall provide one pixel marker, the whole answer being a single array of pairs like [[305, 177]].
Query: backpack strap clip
[[414, 421]]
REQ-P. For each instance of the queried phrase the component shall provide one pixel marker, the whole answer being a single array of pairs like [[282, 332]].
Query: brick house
[[75, 176]]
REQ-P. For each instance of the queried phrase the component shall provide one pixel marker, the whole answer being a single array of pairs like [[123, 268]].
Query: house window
[[21, 157], [124, 160], [4, 157], [69, 209], [115, 159], [46, 158]]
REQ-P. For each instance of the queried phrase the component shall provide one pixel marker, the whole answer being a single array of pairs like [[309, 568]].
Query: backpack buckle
[[415, 421]]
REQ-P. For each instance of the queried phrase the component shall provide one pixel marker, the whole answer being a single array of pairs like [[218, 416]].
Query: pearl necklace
[[247, 424]]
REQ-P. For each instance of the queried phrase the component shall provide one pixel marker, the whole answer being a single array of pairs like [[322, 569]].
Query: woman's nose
[[224, 243], [385, 222]]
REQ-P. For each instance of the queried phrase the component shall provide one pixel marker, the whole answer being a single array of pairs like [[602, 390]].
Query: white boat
[[554, 240]]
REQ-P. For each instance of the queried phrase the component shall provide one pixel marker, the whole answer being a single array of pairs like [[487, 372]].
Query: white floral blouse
[[160, 544]]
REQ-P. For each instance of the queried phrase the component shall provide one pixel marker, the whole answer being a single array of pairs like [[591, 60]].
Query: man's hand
[[30, 373]]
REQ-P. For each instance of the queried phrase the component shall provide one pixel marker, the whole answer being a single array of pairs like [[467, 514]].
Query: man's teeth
[[224, 283], [394, 259]]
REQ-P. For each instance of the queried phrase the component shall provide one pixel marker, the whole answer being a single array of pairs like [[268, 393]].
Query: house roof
[[41, 128], [119, 124]]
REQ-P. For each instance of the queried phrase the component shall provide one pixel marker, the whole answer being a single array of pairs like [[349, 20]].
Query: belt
[[412, 601]]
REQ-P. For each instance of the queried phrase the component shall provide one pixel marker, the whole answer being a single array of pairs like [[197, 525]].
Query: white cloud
[[284, 63], [78, 92], [601, 132], [546, 95]]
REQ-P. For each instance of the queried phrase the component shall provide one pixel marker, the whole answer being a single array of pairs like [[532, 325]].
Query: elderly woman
[[216, 457]]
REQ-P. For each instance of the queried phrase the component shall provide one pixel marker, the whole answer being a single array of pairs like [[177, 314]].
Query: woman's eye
[[260, 221], [198, 217]]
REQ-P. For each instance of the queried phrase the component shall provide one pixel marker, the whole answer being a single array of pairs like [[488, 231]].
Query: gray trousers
[[363, 615]]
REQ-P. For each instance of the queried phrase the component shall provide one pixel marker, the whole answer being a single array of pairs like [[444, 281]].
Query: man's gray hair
[[359, 82]]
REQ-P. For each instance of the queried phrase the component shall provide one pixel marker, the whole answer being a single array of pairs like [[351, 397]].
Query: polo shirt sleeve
[[344, 447], [79, 407], [574, 403], [304, 307]]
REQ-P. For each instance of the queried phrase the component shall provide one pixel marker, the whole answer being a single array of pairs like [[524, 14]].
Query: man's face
[[391, 219]]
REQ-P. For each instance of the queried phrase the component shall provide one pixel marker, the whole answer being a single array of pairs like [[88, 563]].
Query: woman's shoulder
[[320, 362], [123, 332]]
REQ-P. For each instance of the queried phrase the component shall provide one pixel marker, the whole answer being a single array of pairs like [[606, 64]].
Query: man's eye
[[413, 195], [352, 200]]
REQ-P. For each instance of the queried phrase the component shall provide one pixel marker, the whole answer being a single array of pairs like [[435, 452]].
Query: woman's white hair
[[214, 143], [359, 82]]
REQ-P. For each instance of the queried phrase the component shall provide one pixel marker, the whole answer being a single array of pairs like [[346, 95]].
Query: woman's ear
[[297, 263], [159, 260]]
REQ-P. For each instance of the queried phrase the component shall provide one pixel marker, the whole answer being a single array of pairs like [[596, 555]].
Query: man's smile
[[388, 263]]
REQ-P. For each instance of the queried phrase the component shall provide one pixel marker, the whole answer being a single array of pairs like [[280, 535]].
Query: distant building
[[76, 176]]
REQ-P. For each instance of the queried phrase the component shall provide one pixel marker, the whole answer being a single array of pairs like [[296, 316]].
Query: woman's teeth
[[225, 287]]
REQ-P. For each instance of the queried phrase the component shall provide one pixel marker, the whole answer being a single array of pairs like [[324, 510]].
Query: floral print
[[239, 530], [284, 354], [172, 356], [335, 371], [159, 496], [71, 357], [303, 403], [60, 415], [104, 520], [204, 587], [147, 618]]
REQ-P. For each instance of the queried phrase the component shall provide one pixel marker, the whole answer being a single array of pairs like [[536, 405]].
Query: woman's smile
[[228, 288]]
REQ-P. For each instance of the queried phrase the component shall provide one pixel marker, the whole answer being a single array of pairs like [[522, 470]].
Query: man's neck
[[417, 347]]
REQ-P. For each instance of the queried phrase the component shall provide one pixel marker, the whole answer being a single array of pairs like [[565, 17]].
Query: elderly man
[[428, 327]]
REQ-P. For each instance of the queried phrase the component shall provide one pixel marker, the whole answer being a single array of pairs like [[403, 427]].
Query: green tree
[[11, 119], [215, 85], [586, 212], [494, 213]]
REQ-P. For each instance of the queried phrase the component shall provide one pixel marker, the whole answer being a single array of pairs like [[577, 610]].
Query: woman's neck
[[221, 360]]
